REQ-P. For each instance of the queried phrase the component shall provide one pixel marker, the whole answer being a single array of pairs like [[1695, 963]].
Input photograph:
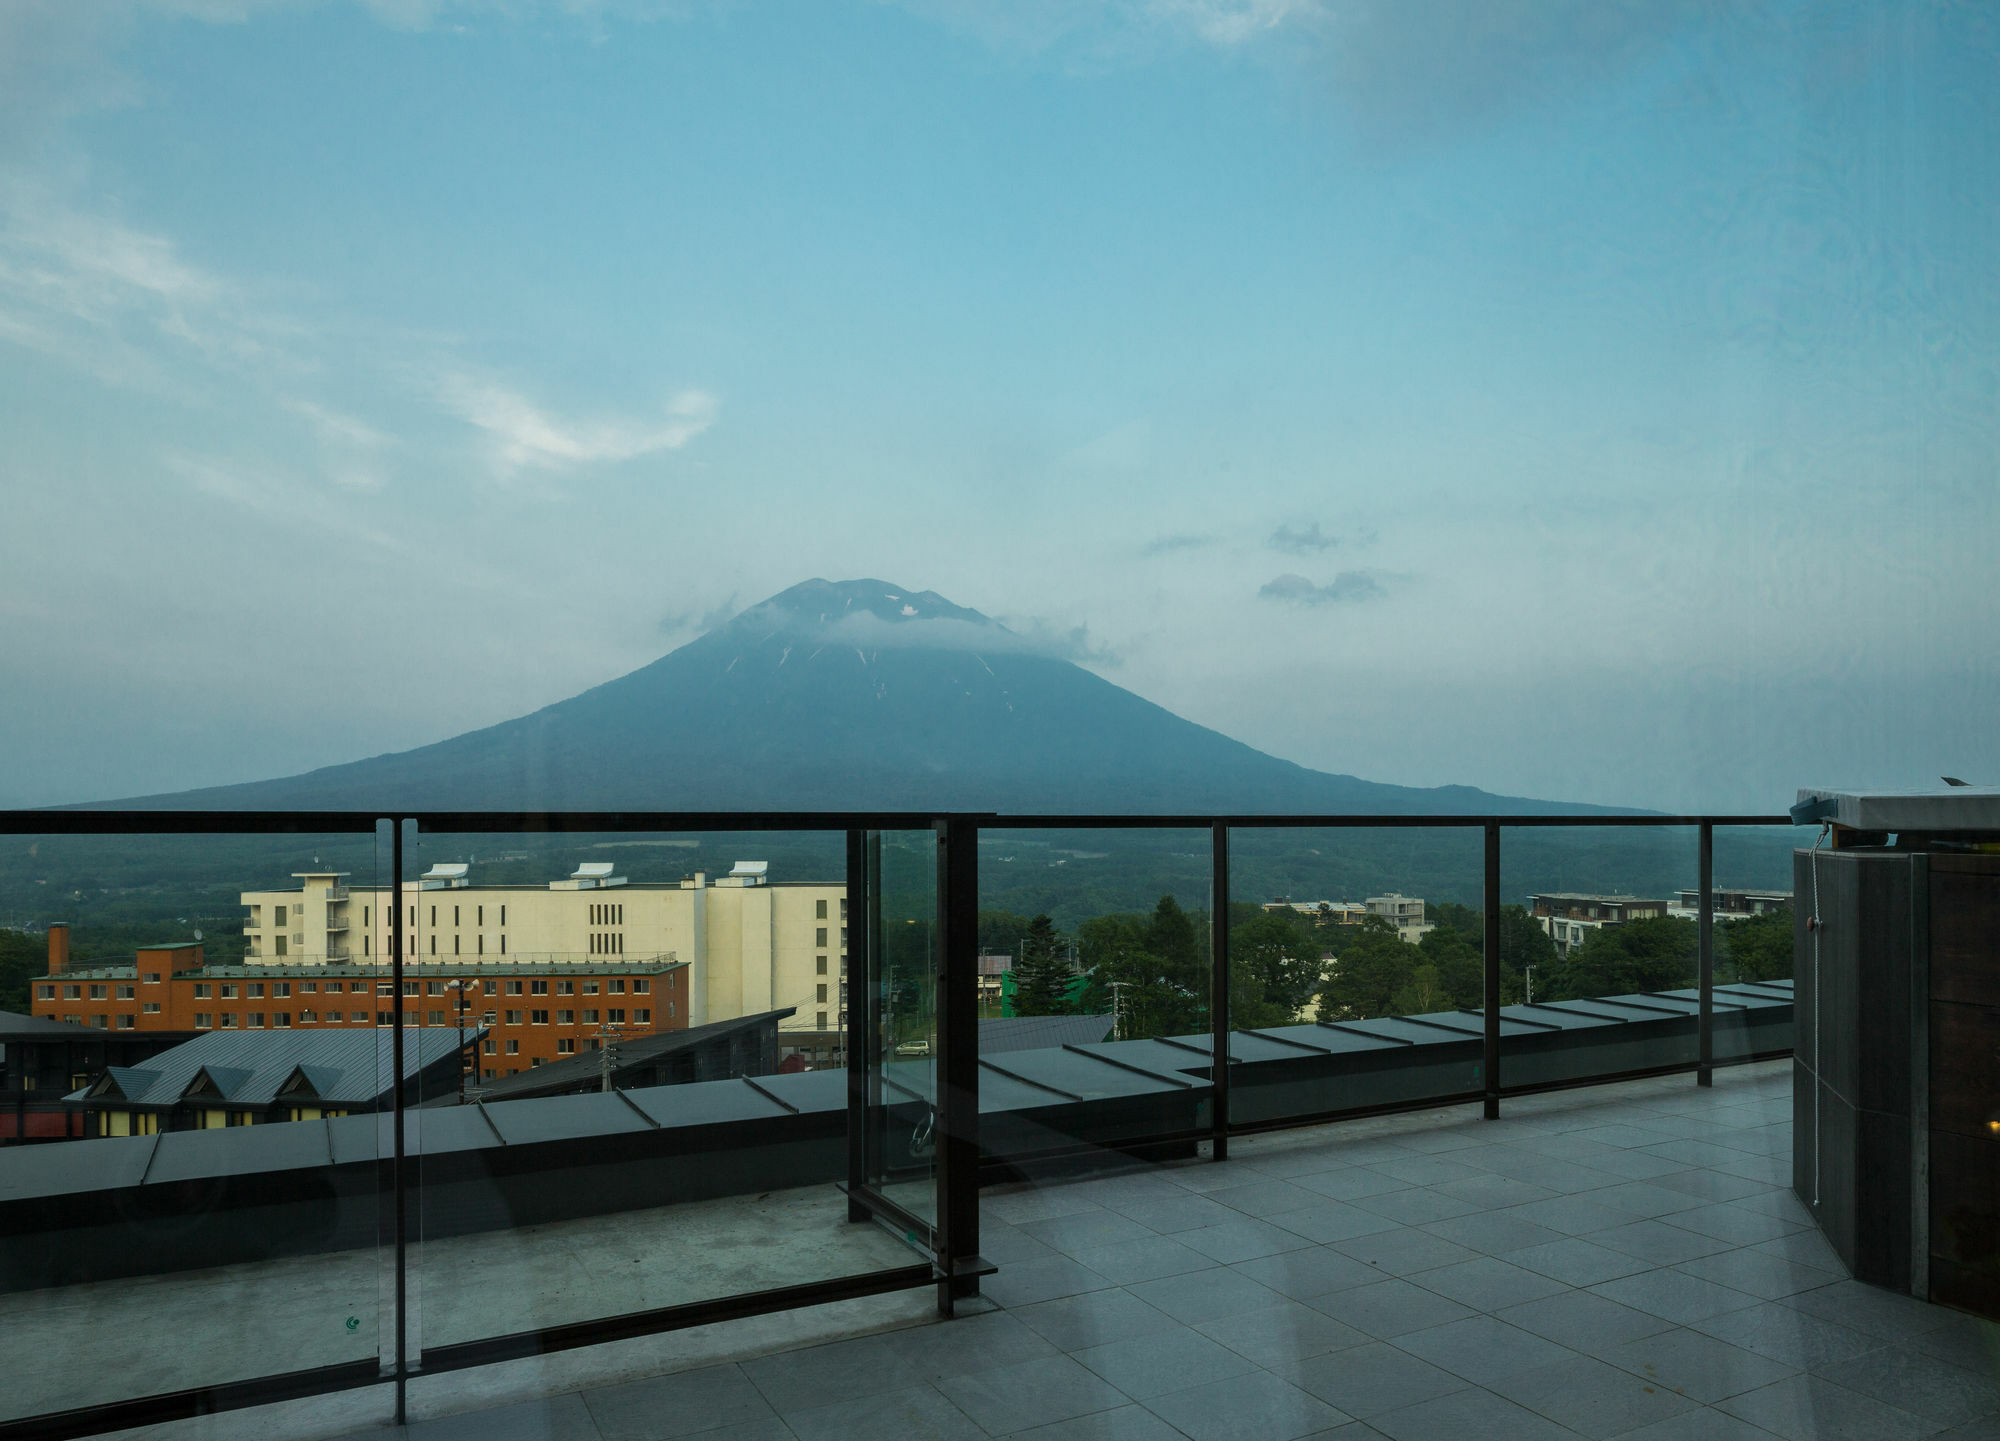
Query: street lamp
[[461, 987]]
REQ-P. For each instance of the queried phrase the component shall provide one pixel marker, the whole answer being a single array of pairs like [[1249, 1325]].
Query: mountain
[[859, 695]]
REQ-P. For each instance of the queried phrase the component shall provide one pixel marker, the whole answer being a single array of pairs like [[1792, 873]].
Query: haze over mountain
[[855, 695]]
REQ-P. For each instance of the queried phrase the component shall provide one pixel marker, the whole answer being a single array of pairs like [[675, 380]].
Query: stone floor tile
[[1494, 1191], [1571, 1215], [1487, 1283], [1966, 1341], [1680, 1298], [1491, 1233], [1145, 1260], [1329, 1221], [1590, 1397], [1043, 1280], [1154, 1365], [1347, 1182], [557, 1418], [1482, 1349], [1576, 1261], [1005, 1245], [1711, 1185], [1254, 1407], [1421, 1170], [1770, 1277], [1034, 1203], [1727, 1221], [970, 1343], [1659, 1242], [1807, 1408], [1401, 1251], [1094, 1319], [1807, 1248], [1643, 1199], [1415, 1205], [1904, 1377], [1702, 1423], [1465, 1414], [1874, 1311], [1264, 1199], [1122, 1423], [1280, 1334], [1371, 1379], [1032, 1393], [1085, 1230], [1583, 1322], [1636, 1166], [1172, 1214], [1389, 1309], [1780, 1202], [1206, 1295], [1697, 1366], [1786, 1335], [917, 1413], [691, 1401], [1243, 1239], [1309, 1272]]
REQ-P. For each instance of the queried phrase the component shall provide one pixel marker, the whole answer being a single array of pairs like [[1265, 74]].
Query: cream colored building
[[752, 945]]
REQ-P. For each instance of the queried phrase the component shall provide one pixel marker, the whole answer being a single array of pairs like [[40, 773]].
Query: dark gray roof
[[633, 1053], [15, 1026], [998, 1034], [250, 1068]]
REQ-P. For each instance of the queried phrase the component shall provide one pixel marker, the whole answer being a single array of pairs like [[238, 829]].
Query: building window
[[359, 1018], [281, 949], [614, 1017], [454, 915], [364, 943], [843, 908], [278, 917], [281, 988], [513, 1048], [433, 988], [228, 990], [201, 990], [642, 986], [434, 915], [565, 1018], [434, 1018], [615, 987], [46, 993], [565, 988], [229, 1020], [409, 988], [204, 1020], [434, 943], [72, 993], [512, 1018], [489, 988], [454, 945], [565, 1047], [282, 1019], [126, 993], [538, 988], [97, 993], [479, 916], [590, 988], [255, 991], [481, 948], [819, 965], [820, 1023], [503, 922], [255, 1020], [819, 909], [306, 1018], [821, 997], [128, 1023], [643, 1018], [819, 936], [538, 1018], [590, 1018], [311, 988], [385, 1018], [152, 978], [513, 988], [503, 940], [487, 1047], [150, 1008]]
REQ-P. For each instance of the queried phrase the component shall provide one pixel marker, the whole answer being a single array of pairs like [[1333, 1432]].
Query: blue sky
[[1577, 401]]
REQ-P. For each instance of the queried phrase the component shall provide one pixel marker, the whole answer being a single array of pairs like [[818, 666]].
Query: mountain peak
[[859, 612]]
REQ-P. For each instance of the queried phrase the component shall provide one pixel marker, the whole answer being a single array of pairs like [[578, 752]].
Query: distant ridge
[[852, 695]]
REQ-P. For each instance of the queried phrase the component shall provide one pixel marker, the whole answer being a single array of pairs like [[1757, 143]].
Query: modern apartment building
[[1570, 917], [1405, 913], [749, 945]]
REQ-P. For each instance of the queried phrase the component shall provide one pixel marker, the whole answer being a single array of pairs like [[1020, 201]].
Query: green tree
[[22, 958], [1274, 969], [1153, 969], [1657, 953], [1042, 973], [1756, 948], [1458, 974], [1371, 967], [1001, 932]]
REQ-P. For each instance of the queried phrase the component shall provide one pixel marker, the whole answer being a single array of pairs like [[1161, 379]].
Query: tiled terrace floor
[[1626, 1261]]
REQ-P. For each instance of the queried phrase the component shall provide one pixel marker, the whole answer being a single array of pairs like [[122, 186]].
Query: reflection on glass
[[185, 1152], [900, 1021]]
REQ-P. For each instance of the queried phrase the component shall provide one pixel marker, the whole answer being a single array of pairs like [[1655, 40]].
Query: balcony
[[1549, 1213]]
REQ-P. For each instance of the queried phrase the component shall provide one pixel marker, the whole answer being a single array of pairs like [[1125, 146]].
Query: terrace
[[1567, 1217]]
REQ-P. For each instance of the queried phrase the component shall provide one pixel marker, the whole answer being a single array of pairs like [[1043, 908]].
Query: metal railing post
[[957, 1087], [396, 1169], [859, 1004], [1218, 993], [1490, 1064], [1705, 947]]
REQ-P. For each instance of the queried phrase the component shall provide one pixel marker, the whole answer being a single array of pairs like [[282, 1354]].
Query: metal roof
[[251, 1068], [1000, 1034], [633, 1053]]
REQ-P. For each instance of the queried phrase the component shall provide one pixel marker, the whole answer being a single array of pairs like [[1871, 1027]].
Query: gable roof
[[251, 1068]]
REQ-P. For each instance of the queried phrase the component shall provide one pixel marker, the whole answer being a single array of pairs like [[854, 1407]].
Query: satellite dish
[[197, 933]]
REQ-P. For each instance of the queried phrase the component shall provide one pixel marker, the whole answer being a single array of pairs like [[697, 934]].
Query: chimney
[[58, 947]]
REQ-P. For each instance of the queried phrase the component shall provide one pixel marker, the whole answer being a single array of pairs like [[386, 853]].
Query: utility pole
[[607, 1052], [1529, 973]]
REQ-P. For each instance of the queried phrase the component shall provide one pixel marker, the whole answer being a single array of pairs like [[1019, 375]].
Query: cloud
[[1168, 544], [1348, 585], [699, 621], [1118, 29], [1309, 541], [529, 437]]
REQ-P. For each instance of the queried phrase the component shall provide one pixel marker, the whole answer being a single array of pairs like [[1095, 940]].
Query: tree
[[1041, 975], [1457, 973], [1274, 969], [1152, 969], [1372, 967], [1657, 953], [1000, 932], [1756, 948]]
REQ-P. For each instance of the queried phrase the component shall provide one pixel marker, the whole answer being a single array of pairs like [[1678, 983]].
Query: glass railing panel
[[1354, 968], [1095, 978], [895, 1022], [186, 1153], [1599, 958], [651, 1109], [1756, 935]]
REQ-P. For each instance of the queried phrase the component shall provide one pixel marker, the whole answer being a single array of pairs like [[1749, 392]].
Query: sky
[[1578, 400]]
